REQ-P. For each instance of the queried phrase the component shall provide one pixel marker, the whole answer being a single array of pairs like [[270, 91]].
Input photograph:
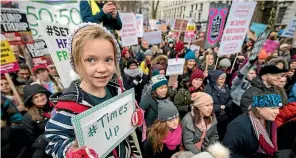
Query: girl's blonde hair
[[85, 35], [157, 133], [185, 68]]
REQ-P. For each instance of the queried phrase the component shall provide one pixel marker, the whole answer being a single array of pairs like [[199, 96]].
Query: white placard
[[153, 37], [128, 32], [106, 125], [60, 12], [139, 22], [237, 25], [55, 36], [175, 67], [153, 25], [290, 29], [194, 47]]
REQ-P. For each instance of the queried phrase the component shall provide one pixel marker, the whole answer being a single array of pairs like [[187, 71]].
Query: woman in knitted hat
[[165, 135], [253, 134], [36, 99], [125, 56], [146, 64], [220, 93], [134, 78], [183, 97], [200, 125], [285, 52], [189, 66], [94, 55]]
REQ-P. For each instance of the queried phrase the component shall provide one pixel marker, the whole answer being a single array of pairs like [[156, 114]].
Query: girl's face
[[127, 55], [191, 63], [42, 75], [133, 66], [197, 82], [211, 60], [173, 123], [251, 75], [99, 62], [261, 61], [148, 57], [162, 72], [268, 113], [282, 81], [162, 91], [221, 80], [280, 65], [171, 45], [39, 100], [206, 110], [5, 88], [196, 54], [293, 65]]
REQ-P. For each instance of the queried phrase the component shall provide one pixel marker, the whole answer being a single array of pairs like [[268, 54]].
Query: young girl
[[200, 125], [165, 135], [211, 63], [52, 84], [182, 99], [146, 64], [38, 114], [94, 57], [125, 57]]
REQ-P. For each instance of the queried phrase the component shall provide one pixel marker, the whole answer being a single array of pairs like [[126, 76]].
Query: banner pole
[[15, 92], [180, 30], [216, 62], [234, 62]]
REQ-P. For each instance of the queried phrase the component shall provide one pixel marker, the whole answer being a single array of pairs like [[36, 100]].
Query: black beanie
[[131, 61]]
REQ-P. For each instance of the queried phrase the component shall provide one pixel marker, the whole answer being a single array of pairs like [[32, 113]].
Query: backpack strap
[[71, 106]]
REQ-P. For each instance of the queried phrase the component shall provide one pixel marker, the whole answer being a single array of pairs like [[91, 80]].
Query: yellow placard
[[7, 55], [191, 27]]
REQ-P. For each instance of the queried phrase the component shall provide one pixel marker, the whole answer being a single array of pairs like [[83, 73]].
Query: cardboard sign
[[194, 47], [175, 67], [139, 22], [38, 49], [8, 60], [163, 27], [153, 37], [55, 36], [172, 80], [258, 44], [106, 125], [270, 46], [180, 23], [191, 27], [152, 24], [217, 17], [290, 29], [258, 28], [128, 32], [189, 36], [237, 25]]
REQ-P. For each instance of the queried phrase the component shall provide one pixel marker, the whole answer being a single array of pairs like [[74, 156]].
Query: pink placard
[[11, 67]]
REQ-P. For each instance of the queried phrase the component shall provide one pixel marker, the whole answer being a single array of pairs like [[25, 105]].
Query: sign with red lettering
[[237, 25], [180, 24], [153, 37], [189, 36], [139, 22], [129, 29]]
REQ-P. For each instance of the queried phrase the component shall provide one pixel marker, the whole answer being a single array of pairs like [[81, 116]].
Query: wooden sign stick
[[180, 30], [216, 62], [11, 84], [234, 62]]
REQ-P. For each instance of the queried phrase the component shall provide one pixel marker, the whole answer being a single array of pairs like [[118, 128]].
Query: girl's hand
[[206, 74], [83, 152], [21, 108], [175, 85]]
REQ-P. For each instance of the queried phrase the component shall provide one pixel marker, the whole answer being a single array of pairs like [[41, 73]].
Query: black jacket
[[129, 83]]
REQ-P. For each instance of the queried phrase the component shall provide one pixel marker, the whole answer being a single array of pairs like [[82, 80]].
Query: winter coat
[[240, 138], [157, 60], [286, 114], [58, 81], [145, 68], [166, 153], [257, 87], [108, 21], [192, 134], [279, 60], [292, 94], [59, 129], [150, 106], [285, 55], [219, 97], [240, 84]]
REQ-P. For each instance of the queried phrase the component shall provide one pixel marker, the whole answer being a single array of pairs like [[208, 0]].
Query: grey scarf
[[133, 72]]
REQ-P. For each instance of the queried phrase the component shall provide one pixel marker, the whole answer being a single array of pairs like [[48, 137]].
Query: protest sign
[[38, 49], [189, 36], [55, 36], [258, 28], [270, 46], [175, 67], [217, 17], [153, 37], [290, 29], [163, 27], [258, 44], [172, 23], [194, 47], [106, 125], [294, 41], [129, 29], [191, 27], [62, 12], [236, 27], [152, 24], [139, 25], [180, 24], [8, 60]]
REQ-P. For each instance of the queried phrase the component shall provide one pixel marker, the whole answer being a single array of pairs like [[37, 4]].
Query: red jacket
[[287, 113]]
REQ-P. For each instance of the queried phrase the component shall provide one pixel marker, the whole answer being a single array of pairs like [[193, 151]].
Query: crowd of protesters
[[218, 108]]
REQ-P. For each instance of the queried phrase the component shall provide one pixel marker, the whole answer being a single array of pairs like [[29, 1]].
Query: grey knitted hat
[[225, 63], [83, 25], [148, 52], [167, 110]]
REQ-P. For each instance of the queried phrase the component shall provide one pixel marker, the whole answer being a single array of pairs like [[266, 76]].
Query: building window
[[281, 14], [196, 7], [183, 16], [199, 17], [201, 6]]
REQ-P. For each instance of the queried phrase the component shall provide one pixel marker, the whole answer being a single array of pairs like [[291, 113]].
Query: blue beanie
[[190, 55], [158, 80], [266, 100]]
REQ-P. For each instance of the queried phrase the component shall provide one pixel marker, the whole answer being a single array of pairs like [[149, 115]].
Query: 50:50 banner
[[66, 14]]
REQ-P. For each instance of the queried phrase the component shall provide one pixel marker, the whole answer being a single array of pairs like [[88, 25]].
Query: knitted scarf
[[265, 144], [173, 138], [133, 72]]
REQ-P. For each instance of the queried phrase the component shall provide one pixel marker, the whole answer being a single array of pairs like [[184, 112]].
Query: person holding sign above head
[[101, 12], [165, 135], [93, 53]]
